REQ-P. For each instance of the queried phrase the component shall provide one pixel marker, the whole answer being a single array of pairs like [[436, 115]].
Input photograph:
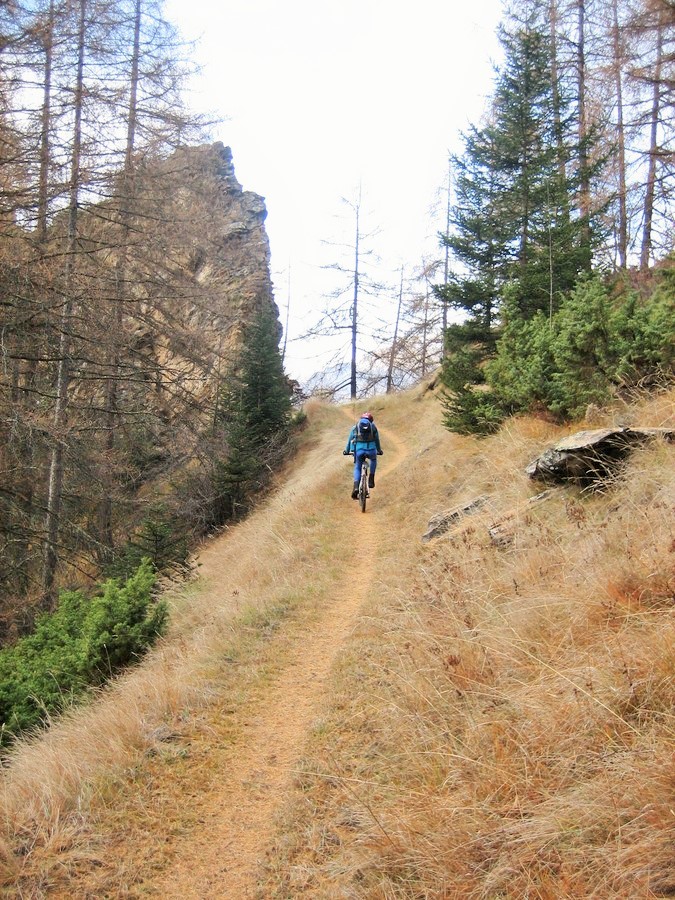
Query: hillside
[[342, 710], [172, 288]]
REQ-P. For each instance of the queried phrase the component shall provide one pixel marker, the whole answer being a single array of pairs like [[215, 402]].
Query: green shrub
[[520, 374], [161, 540], [601, 343], [584, 350], [81, 644], [121, 624], [645, 335], [472, 412], [594, 344], [468, 408]]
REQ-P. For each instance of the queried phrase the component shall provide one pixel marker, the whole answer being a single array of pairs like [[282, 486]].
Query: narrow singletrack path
[[220, 859]]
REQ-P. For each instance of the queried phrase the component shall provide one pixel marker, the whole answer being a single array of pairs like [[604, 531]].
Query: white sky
[[321, 96]]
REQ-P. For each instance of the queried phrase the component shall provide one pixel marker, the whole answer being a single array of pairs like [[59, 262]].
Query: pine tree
[[548, 246], [512, 222], [256, 413], [477, 240]]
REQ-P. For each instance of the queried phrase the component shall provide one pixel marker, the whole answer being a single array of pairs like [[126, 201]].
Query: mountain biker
[[364, 443]]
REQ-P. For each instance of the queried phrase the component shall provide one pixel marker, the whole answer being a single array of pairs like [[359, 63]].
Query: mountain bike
[[363, 484]]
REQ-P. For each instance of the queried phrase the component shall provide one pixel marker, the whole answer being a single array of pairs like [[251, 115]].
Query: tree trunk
[[26, 384], [584, 180], [55, 479], [126, 203], [621, 138], [557, 117], [645, 252], [355, 304], [425, 328], [288, 316], [446, 266], [392, 355], [45, 147]]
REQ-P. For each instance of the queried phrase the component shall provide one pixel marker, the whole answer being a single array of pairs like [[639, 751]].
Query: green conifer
[[256, 413]]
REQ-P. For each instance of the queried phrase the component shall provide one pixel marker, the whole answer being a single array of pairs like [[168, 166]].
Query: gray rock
[[235, 228], [589, 456], [440, 523]]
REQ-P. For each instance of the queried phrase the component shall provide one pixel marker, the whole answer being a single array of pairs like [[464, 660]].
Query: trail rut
[[220, 859]]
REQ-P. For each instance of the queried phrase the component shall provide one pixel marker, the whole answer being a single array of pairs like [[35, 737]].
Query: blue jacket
[[354, 444]]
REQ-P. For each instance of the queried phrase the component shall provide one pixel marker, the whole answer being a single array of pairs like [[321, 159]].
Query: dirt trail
[[221, 858]]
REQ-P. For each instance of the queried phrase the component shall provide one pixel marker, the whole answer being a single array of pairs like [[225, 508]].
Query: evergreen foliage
[[511, 221], [264, 406], [595, 344], [160, 539], [478, 239], [82, 644], [467, 409], [602, 339], [541, 332], [548, 243], [256, 414]]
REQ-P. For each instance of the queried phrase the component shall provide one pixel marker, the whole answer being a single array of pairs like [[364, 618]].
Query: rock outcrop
[[589, 456], [444, 521], [220, 234], [196, 261], [201, 276]]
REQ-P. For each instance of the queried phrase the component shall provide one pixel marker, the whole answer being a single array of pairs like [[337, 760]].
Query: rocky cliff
[[200, 274], [230, 250]]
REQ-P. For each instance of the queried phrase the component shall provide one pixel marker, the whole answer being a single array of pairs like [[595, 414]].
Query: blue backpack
[[365, 431]]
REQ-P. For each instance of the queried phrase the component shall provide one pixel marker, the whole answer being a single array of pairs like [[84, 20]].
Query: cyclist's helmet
[[367, 415]]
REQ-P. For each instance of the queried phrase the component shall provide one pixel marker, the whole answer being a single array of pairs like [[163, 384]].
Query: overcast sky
[[320, 97]]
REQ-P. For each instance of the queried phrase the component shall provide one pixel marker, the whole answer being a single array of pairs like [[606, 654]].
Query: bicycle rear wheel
[[363, 488]]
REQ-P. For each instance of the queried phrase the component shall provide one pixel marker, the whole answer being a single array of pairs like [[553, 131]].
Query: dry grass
[[504, 724], [226, 638], [501, 724]]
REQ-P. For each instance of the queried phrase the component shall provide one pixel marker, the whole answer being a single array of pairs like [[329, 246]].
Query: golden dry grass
[[503, 726], [58, 790], [500, 724]]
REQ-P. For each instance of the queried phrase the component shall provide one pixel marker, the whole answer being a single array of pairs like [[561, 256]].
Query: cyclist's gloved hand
[[380, 452], [345, 452]]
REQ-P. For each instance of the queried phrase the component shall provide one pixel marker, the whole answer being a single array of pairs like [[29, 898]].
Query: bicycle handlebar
[[351, 452]]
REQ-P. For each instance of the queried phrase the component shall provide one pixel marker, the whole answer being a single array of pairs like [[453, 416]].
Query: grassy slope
[[503, 725], [500, 725], [95, 802]]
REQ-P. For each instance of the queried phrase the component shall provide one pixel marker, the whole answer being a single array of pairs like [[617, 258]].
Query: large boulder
[[589, 456]]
